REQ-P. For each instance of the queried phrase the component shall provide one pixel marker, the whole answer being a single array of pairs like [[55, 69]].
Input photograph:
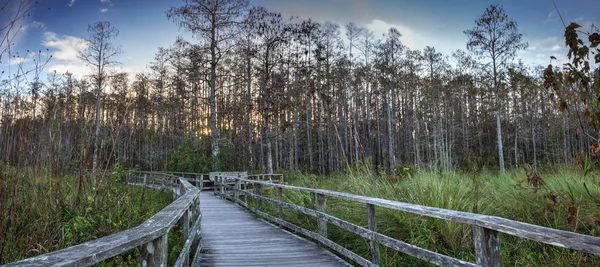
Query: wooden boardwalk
[[232, 236]]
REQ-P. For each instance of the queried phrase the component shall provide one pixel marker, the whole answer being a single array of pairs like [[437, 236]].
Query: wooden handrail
[[486, 228], [150, 235]]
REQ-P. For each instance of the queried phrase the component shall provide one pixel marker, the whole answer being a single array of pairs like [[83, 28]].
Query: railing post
[[198, 185], [215, 184], [154, 253], [487, 246], [321, 224], [222, 185], [236, 190], [181, 189], [246, 190], [145, 179], [258, 192], [197, 216], [373, 227], [185, 227], [280, 195]]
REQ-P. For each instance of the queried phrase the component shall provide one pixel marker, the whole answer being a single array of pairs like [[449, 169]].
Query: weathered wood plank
[[334, 246], [542, 234], [234, 237]]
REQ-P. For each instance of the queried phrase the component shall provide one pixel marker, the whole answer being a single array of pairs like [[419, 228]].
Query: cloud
[[64, 50], [102, 10], [65, 47], [541, 49], [380, 27], [37, 24], [551, 16], [106, 2], [71, 3], [19, 60]]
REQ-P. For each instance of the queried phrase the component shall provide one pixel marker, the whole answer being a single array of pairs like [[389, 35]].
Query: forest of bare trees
[[261, 92]]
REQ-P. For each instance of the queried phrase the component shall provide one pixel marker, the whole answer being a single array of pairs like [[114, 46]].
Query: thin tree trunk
[[214, 134]]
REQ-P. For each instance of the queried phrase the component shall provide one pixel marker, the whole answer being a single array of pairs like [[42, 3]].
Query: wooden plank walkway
[[232, 236]]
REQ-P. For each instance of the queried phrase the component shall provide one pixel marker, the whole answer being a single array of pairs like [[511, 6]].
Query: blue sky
[[59, 25]]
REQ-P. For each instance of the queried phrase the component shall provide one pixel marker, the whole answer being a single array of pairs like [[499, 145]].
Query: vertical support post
[[185, 227], [236, 190], [197, 182], [487, 246], [181, 189], [155, 252], [196, 232], [246, 190], [321, 224], [257, 191], [175, 190], [221, 185], [145, 178], [215, 184], [280, 195], [373, 227]]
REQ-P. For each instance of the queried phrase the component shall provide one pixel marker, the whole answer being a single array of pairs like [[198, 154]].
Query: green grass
[[496, 195], [42, 212]]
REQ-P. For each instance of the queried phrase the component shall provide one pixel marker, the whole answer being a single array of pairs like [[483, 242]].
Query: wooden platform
[[232, 236]]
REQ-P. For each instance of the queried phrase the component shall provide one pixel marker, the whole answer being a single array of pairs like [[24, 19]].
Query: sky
[[57, 27]]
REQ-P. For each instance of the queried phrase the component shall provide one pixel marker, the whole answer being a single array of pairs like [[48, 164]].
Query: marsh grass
[[42, 212], [553, 205]]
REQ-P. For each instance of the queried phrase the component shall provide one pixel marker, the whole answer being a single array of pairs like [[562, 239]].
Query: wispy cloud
[[551, 16], [38, 25], [71, 3], [102, 10], [106, 2], [64, 47], [64, 50]]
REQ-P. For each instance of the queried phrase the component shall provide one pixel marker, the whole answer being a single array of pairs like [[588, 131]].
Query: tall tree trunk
[[498, 121], [249, 108], [266, 114], [214, 134], [391, 156], [97, 131]]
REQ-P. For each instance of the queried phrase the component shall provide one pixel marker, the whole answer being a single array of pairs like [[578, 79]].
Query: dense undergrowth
[[42, 212], [561, 198]]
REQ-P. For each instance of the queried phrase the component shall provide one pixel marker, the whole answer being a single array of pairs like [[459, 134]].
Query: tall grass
[[42, 212], [553, 205]]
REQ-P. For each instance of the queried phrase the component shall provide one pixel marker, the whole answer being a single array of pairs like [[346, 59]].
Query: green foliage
[[45, 212], [190, 156], [196, 156]]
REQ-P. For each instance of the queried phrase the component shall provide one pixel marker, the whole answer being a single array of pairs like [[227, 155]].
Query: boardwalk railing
[[150, 236], [486, 229]]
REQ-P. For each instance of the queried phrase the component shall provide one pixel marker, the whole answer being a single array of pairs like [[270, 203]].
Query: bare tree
[[496, 38], [99, 55], [271, 32], [213, 21]]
